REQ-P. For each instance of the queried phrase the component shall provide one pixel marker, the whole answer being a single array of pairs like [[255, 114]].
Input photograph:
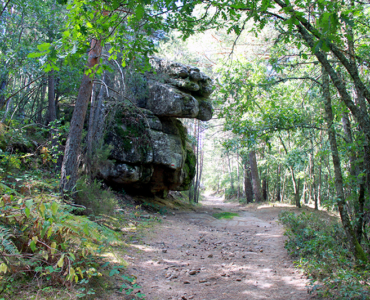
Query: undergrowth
[[51, 248], [320, 247]]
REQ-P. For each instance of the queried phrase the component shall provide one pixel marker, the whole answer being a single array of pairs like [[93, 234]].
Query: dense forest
[[290, 90]]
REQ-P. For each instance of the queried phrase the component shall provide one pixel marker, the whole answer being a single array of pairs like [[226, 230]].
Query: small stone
[[192, 272], [261, 250], [202, 281], [186, 282], [210, 255], [238, 279], [164, 250]]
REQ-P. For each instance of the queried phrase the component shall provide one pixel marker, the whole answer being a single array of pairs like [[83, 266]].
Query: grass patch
[[225, 215]]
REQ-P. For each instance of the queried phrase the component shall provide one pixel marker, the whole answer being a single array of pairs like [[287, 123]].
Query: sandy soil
[[192, 255]]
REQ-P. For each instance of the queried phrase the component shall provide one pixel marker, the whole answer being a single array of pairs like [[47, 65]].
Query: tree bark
[[3, 84], [230, 173], [248, 181], [70, 162], [278, 183], [237, 176], [255, 176], [353, 242], [52, 114]]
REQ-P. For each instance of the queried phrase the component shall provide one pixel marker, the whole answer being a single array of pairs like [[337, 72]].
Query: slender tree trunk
[[70, 162], [248, 181], [8, 108], [191, 192], [313, 176], [278, 185], [264, 189], [41, 102], [296, 185], [3, 84], [52, 114], [255, 176], [237, 176], [353, 242], [196, 186], [304, 193], [283, 190], [200, 172], [230, 173], [319, 185]]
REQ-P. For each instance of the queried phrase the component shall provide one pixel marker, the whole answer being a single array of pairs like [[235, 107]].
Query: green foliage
[[97, 201], [155, 207], [225, 215], [42, 239], [321, 249]]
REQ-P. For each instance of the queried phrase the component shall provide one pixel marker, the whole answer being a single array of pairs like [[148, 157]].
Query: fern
[[6, 244]]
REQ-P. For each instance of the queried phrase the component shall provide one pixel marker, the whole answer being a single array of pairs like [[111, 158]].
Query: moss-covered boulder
[[149, 154], [150, 151]]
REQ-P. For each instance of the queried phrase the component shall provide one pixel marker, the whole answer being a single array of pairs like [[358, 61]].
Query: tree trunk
[[70, 161], [237, 176], [264, 189], [304, 193], [52, 115], [41, 102], [196, 186], [3, 84], [248, 181], [283, 190], [200, 172], [319, 185], [278, 185], [353, 242], [296, 185], [255, 176], [230, 174]]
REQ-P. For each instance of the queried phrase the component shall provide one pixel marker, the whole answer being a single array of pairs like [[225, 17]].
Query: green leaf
[[33, 246], [44, 47], [3, 268], [42, 209], [113, 272], [54, 207], [139, 12], [36, 54]]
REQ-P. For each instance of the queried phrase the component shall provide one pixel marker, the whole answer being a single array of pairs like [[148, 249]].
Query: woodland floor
[[192, 255]]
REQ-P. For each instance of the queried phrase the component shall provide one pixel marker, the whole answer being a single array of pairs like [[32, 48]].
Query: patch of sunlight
[[115, 259], [275, 204], [143, 247]]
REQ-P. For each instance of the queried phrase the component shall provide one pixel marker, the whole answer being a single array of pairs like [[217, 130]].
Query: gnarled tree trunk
[[70, 161]]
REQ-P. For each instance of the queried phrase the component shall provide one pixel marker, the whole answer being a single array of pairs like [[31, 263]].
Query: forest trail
[[192, 255]]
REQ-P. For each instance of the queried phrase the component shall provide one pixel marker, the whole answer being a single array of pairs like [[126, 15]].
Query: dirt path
[[192, 255]]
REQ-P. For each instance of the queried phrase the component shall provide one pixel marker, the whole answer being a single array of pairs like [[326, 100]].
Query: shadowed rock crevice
[[150, 152]]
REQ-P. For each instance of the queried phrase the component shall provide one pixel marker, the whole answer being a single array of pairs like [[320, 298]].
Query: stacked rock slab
[[149, 145]]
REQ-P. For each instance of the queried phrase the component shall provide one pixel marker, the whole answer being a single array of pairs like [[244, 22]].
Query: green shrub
[[97, 201], [41, 239], [321, 249]]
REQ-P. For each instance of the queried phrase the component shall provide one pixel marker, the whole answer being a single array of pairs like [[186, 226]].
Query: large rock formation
[[149, 146]]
